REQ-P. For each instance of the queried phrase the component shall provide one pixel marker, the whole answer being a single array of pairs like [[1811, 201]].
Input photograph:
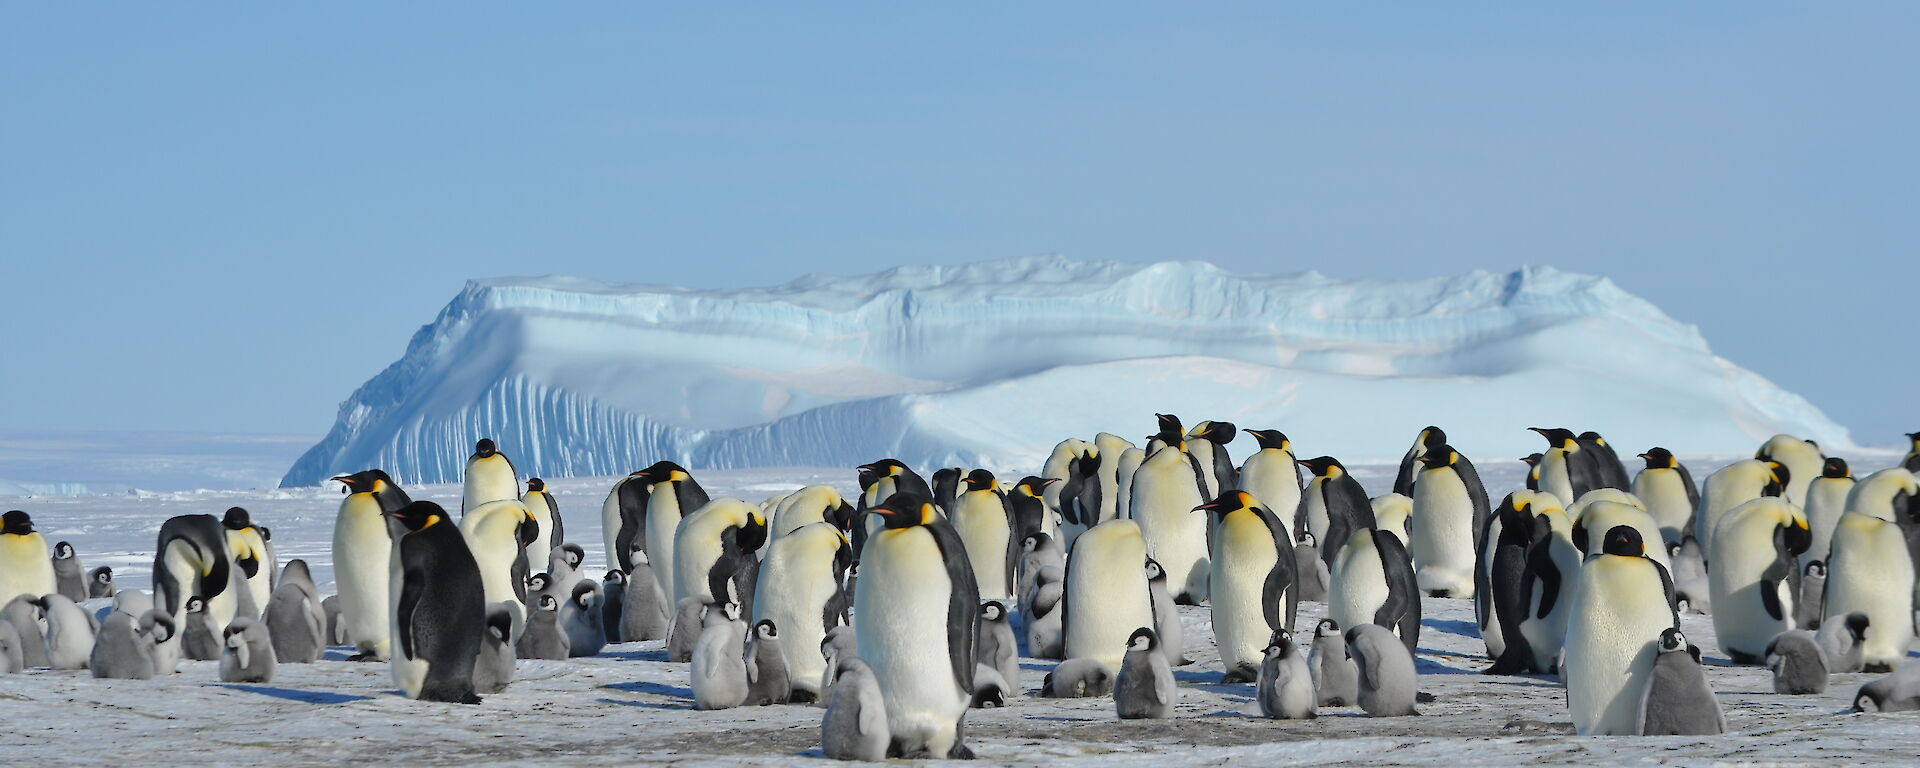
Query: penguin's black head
[[1672, 639], [1282, 642], [993, 610], [1154, 571], [1217, 432], [979, 480], [1778, 479], [1306, 537], [1836, 467], [1558, 438], [365, 481], [1034, 486], [584, 593], [887, 468], [536, 485], [1623, 540], [1324, 466], [662, 471], [1228, 503], [1438, 456], [1673, 549], [1532, 459], [547, 603], [573, 554], [1856, 624], [63, 551], [1914, 438], [539, 582], [266, 534], [616, 576], [103, 575], [766, 630], [237, 519], [419, 515], [157, 625], [16, 522], [1658, 458], [485, 448], [196, 604], [1032, 542], [1591, 436], [1816, 569], [905, 510], [1271, 438], [1431, 437], [1327, 628], [1143, 639], [1169, 423]]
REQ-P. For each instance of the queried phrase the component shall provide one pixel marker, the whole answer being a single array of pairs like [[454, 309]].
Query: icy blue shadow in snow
[[657, 689], [654, 655], [294, 694], [1452, 626], [643, 704]]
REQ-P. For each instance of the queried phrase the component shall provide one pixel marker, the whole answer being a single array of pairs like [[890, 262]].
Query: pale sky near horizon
[[225, 217]]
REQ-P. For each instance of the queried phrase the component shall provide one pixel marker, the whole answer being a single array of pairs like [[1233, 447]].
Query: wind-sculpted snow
[[990, 364]]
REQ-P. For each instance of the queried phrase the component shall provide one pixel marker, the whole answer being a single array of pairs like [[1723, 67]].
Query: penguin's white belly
[[1442, 530], [794, 595], [1176, 535], [1359, 586], [543, 543], [1739, 617], [1666, 498], [360, 552], [1239, 581], [982, 525], [1556, 479], [1619, 611], [26, 567], [488, 480], [1107, 597], [1871, 572], [408, 673], [902, 603], [1273, 480], [1483, 602], [663, 521], [694, 556], [1826, 502], [1317, 516], [1547, 636], [610, 525]]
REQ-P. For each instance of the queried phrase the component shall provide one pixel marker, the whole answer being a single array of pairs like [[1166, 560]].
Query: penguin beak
[[1046, 481]]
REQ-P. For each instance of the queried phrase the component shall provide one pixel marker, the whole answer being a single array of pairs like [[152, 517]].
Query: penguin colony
[[896, 611]]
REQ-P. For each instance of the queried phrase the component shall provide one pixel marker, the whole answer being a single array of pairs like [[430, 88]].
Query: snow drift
[[990, 364]]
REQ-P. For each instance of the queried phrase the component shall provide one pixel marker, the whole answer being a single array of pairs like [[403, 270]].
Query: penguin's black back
[[442, 611]]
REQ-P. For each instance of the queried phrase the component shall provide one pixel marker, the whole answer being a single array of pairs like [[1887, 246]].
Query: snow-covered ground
[[628, 706]]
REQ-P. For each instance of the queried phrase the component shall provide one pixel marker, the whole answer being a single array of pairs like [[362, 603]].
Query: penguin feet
[[1185, 598], [1424, 697], [1877, 667], [363, 657], [1242, 673], [960, 752], [803, 697]]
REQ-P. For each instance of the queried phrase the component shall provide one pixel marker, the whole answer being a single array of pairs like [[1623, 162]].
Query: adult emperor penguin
[[1667, 488], [1373, 583], [918, 603], [1551, 577], [1106, 595], [1272, 474], [190, 560], [1031, 515], [1208, 441], [1428, 439], [1602, 461], [623, 519], [1166, 488], [1802, 459], [26, 564], [800, 592], [1563, 472], [362, 546], [674, 495], [984, 520], [886, 477], [247, 545], [1500, 598], [1391, 511], [1332, 507], [1751, 575], [439, 606], [1112, 475], [717, 545], [1129, 463], [1595, 516], [1449, 511], [1253, 593], [1869, 571], [1532, 460], [1622, 602], [1826, 502], [496, 534], [1733, 485], [809, 505], [546, 512], [489, 477], [1061, 464], [67, 572]]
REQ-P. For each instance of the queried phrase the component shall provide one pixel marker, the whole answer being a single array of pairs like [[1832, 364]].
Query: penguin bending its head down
[[247, 656], [1842, 641], [1797, 663], [1076, 679], [493, 668], [1388, 683], [124, 648], [439, 607], [1336, 682], [1897, 692], [1144, 688], [855, 727], [918, 602]]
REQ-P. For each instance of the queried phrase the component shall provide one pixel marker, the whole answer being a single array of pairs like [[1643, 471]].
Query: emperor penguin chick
[[719, 659], [1285, 688], [248, 655], [1145, 687]]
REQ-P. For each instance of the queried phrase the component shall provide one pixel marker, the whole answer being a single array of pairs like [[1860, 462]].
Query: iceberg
[[990, 364]]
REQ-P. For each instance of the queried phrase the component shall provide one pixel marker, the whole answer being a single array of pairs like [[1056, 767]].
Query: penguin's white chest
[[1442, 531], [1618, 611], [981, 521], [663, 522], [1245, 556], [901, 603], [1359, 586], [25, 566]]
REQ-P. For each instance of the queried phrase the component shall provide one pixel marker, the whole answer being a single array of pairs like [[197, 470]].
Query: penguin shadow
[[337, 653], [1210, 681], [685, 695], [1428, 666], [1453, 627], [659, 654], [292, 694]]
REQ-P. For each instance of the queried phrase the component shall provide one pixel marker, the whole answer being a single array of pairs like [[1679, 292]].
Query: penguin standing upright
[[1621, 603], [1826, 502], [580, 616], [493, 668], [1500, 599], [546, 512], [190, 560], [1428, 439], [1106, 596], [298, 634], [1373, 583], [812, 504], [1310, 573], [26, 564], [719, 674], [1563, 471], [918, 603], [1332, 507], [644, 608], [1449, 512], [855, 727], [1803, 460], [769, 680], [1550, 578], [489, 477], [100, 583], [1166, 488], [717, 546], [1336, 683], [994, 647], [1078, 496], [984, 520], [623, 519], [1679, 702], [1031, 515], [1253, 576], [1272, 474], [1869, 572], [67, 572], [1112, 479], [800, 593], [1285, 688], [1208, 440], [1668, 490], [674, 495], [1169, 636], [1533, 460], [497, 533], [1144, 687], [362, 546], [1388, 679], [70, 632], [1603, 464], [1751, 575], [439, 607]]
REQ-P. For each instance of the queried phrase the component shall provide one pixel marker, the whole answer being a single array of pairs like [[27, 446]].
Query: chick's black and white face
[[1327, 628], [1672, 640], [1153, 570], [547, 603], [766, 630], [992, 611], [63, 551]]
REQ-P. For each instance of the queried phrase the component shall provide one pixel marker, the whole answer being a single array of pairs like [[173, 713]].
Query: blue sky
[[226, 217]]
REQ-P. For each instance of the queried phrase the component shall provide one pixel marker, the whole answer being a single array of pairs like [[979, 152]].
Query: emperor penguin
[[1373, 583], [855, 727], [800, 593], [1551, 578], [1449, 509], [839, 647], [1826, 502], [13, 655], [67, 575], [1208, 440], [1810, 601], [1112, 476], [190, 560], [1797, 663], [493, 668], [541, 635], [623, 519], [1168, 634], [1678, 701], [121, 651], [497, 534], [984, 520], [1869, 572], [1253, 577], [362, 546], [716, 545], [1897, 692], [1031, 515], [886, 477], [200, 635], [1106, 595], [613, 598], [809, 505], [1272, 474], [489, 477], [100, 583], [1500, 599], [1332, 507], [247, 545], [643, 609], [1751, 575], [1043, 617], [1841, 639], [1667, 488], [26, 563], [1388, 681], [1391, 512], [769, 680], [1285, 687], [1144, 687], [1803, 460], [1622, 603], [684, 631], [438, 599], [1059, 465], [1038, 551], [1913, 451], [674, 495], [1593, 517], [719, 674], [1310, 573], [1080, 495], [1128, 464], [1733, 485], [946, 486], [1603, 463], [23, 613], [581, 618], [1563, 472], [1077, 679], [297, 633], [1428, 439], [917, 602], [1691, 591], [1533, 460], [994, 646], [546, 512], [247, 653], [70, 632], [1166, 488]]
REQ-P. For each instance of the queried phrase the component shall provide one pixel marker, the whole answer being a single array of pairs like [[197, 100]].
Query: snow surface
[[990, 364], [628, 706]]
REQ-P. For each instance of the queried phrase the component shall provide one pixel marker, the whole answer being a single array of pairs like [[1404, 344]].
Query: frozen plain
[[628, 706]]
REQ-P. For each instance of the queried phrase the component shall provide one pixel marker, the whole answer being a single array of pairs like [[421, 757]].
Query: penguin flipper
[[1402, 589], [1281, 579]]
